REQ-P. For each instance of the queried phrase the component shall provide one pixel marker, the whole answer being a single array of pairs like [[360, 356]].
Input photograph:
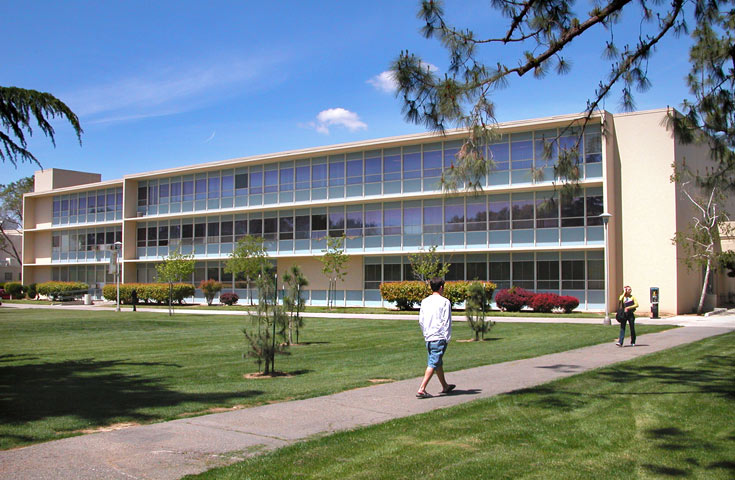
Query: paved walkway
[[172, 449]]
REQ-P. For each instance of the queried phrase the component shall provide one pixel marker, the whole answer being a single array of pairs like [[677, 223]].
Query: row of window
[[418, 166], [516, 211], [84, 243], [93, 206]]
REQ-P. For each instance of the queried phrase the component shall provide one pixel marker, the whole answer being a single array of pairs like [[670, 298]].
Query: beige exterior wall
[[42, 247], [647, 205], [41, 211], [52, 178], [9, 265], [312, 270], [36, 275]]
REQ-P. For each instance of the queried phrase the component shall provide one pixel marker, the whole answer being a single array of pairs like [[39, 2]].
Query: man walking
[[435, 318]]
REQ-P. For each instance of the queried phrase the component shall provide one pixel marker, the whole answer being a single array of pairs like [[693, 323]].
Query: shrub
[[513, 299], [545, 302], [229, 298], [62, 290], [15, 289], [32, 291], [568, 303], [210, 288], [148, 292], [407, 294]]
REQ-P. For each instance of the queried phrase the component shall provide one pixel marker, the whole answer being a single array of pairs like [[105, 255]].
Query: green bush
[[32, 291], [210, 288], [407, 294], [148, 292], [15, 289], [62, 290]]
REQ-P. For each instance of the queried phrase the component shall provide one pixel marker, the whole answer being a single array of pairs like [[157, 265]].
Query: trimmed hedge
[[148, 292], [407, 294], [229, 298], [15, 289], [515, 298], [56, 290]]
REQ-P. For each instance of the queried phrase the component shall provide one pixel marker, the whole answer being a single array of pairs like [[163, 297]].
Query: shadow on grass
[[91, 390]]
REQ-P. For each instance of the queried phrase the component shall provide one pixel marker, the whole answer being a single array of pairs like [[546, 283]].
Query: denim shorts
[[436, 349]]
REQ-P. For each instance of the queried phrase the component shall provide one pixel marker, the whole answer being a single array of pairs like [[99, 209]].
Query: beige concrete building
[[383, 195], [10, 268]]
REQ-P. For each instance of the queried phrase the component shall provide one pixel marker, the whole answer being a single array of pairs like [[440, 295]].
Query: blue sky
[[165, 84]]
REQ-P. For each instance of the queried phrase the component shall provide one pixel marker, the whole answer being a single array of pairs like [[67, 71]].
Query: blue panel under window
[[187, 206], [499, 178], [255, 200], [354, 190], [270, 198], [373, 188], [373, 243], [285, 246], [391, 187], [411, 241], [412, 185], [318, 193], [476, 238], [355, 243], [593, 170], [175, 208], [521, 176], [391, 241], [499, 238], [523, 237], [547, 236], [302, 246], [354, 296], [454, 239], [595, 235], [431, 184], [226, 202], [572, 235], [336, 192], [433, 239]]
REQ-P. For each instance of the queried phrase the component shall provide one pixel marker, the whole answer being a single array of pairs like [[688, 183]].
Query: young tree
[[247, 260], [270, 320], [535, 36], [475, 308], [701, 239], [333, 264], [174, 268], [11, 213], [210, 288], [294, 281], [18, 107], [426, 265]]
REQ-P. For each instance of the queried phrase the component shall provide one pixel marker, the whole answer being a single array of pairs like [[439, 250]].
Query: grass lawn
[[666, 415], [62, 372]]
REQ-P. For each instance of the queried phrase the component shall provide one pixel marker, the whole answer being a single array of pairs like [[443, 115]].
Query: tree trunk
[[170, 297], [707, 273]]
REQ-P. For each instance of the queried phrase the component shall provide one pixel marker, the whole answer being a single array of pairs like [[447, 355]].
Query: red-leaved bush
[[513, 299], [545, 302], [568, 303], [229, 298]]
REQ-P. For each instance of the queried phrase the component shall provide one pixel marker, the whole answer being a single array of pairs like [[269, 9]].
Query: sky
[[172, 83]]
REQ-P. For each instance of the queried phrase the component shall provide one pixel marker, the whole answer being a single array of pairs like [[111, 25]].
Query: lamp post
[[118, 245], [605, 219]]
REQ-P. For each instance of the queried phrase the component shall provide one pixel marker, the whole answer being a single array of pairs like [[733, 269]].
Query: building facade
[[384, 197]]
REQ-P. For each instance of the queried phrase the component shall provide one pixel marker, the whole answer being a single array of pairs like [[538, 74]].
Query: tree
[[426, 265], [544, 28], [475, 307], [210, 288], [18, 107], [11, 213], [294, 281], [247, 260], [333, 262], [174, 268], [270, 320], [710, 118], [701, 239]]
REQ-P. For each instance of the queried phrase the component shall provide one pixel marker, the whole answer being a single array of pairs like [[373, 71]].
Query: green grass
[[64, 371], [667, 415]]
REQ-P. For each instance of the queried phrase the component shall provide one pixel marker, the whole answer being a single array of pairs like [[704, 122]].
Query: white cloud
[[171, 90], [337, 117], [386, 81]]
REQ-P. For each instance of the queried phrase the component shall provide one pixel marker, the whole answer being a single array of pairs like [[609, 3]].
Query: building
[[383, 195], [10, 269]]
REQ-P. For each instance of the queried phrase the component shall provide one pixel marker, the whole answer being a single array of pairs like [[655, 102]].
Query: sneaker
[[632, 344], [618, 344]]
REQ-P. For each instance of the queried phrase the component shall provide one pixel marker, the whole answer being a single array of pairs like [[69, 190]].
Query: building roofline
[[382, 142]]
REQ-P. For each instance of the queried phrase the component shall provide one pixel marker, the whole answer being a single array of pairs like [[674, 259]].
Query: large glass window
[[572, 274], [285, 227], [354, 224], [256, 182], [188, 190], [286, 181], [499, 212], [373, 220], [227, 186], [241, 184], [411, 220], [547, 210], [302, 226], [373, 170], [433, 220], [433, 163], [594, 207], [142, 197], [572, 210], [476, 214], [200, 189], [593, 147], [500, 154], [354, 172], [547, 271], [412, 165], [521, 151], [303, 177], [214, 184], [319, 175], [336, 222], [391, 165], [270, 228], [373, 276], [336, 173], [200, 231], [318, 225], [175, 192], [522, 211], [392, 221], [255, 227], [454, 218], [523, 271], [241, 229], [271, 181], [213, 231]]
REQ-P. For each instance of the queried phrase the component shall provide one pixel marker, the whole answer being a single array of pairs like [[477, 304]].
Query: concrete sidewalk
[[172, 449]]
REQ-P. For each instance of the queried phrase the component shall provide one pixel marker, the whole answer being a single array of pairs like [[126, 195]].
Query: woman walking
[[628, 303]]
